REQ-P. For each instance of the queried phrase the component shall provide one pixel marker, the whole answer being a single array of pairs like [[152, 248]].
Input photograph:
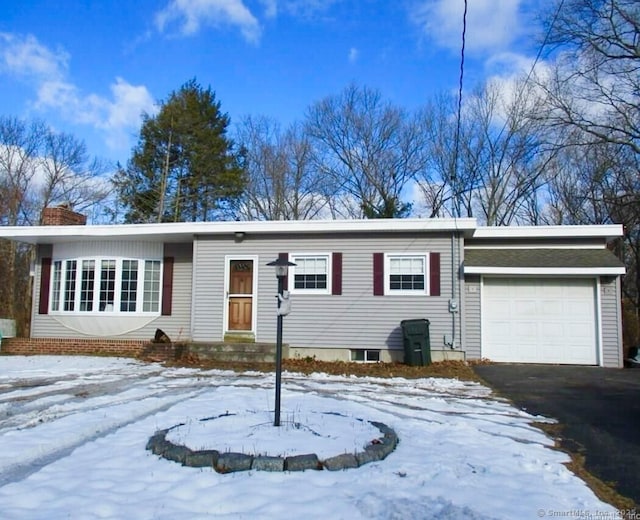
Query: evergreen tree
[[184, 167]]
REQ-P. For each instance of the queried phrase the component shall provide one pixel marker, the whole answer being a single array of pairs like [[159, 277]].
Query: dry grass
[[449, 369]]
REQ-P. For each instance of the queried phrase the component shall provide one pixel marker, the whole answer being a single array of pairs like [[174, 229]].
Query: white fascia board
[[592, 231], [546, 271], [595, 244], [175, 232]]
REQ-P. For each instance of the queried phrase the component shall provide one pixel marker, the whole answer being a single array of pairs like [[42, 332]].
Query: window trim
[[365, 355], [292, 273], [118, 290], [425, 257]]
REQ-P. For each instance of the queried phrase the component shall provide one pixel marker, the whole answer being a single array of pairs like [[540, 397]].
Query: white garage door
[[539, 321]]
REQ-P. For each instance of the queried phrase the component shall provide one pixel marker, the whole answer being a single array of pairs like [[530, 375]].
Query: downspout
[[454, 301]]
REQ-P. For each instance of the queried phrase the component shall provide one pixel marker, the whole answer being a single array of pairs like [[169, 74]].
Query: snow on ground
[[73, 432]]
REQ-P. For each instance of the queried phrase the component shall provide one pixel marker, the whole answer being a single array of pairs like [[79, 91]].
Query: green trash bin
[[417, 345]]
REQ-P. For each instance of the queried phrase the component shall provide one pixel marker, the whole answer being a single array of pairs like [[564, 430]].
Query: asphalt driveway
[[599, 409]]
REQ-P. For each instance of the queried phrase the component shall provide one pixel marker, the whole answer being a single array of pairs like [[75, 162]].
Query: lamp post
[[282, 267]]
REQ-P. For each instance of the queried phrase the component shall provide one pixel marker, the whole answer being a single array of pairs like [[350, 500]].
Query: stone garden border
[[230, 462]]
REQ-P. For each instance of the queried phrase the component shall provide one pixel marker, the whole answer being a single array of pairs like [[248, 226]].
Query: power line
[[454, 173], [543, 44]]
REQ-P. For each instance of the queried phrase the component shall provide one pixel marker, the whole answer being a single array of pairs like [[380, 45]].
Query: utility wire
[[543, 44], [456, 151]]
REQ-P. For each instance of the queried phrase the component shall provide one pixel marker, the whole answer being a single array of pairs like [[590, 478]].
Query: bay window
[[106, 285]]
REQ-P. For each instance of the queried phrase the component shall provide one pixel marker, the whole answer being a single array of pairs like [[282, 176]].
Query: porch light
[[282, 268]]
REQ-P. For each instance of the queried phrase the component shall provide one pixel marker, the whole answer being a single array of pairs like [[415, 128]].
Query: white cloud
[[46, 72], [306, 8], [24, 56], [353, 55], [190, 15], [491, 24], [509, 64], [270, 8], [507, 71]]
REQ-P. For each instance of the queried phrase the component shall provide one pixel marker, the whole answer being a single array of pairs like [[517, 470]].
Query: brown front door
[[240, 294]]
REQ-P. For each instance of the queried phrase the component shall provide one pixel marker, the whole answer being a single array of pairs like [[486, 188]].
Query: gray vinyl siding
[[208, 286], [611, 323], [472, 317], [177, 325], [355, 319]]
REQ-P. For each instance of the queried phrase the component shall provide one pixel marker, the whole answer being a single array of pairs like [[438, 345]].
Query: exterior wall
[[176, 326], [386, 356], [472, 316], [611, 322], [84, 347], [320, 324], [609, 315], [355, 319]]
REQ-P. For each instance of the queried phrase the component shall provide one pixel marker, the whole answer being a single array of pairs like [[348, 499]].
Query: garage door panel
[[527, 330], [539, 321], [550, 332], [522, 307]]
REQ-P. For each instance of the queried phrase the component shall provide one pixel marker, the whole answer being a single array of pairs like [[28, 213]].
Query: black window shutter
[[167, 285], [45, 284], [378, 274], [336, 274], [434, 274]]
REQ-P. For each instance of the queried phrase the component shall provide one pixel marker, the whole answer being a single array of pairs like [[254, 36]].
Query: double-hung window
[[311, 274], [106, 285], [406, 273]]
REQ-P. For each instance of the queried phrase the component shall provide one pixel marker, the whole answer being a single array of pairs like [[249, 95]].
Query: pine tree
[[184, 167]]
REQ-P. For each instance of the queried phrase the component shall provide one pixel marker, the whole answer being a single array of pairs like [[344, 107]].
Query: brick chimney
[[62, 215]]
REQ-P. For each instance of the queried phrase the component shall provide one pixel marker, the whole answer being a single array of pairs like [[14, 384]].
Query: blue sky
[[91, 68]]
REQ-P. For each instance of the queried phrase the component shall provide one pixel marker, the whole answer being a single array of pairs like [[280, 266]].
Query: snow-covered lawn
[[73, 432]]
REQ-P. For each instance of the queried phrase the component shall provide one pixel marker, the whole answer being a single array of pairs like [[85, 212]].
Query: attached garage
[[555, 305], [540, 320]]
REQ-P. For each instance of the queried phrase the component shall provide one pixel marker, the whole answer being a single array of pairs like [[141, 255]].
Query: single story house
[[547, 294]]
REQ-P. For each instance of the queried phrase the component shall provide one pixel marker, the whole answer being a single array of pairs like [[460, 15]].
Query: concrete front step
[[246, 352], [214, 351]]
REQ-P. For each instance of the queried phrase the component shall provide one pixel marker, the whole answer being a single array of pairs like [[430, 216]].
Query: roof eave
[[545, 271], [605, 231], [186, 231]]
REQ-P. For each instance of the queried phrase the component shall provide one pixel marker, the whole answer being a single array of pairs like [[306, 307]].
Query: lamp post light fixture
[[282, 267]]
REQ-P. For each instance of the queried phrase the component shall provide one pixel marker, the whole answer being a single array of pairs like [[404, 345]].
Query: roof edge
[[607, 231], [541, 271], [187, 230]]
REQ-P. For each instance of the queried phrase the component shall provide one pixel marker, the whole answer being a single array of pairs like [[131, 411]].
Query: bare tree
[[510, 154], [496, 168], [282, 183], [369, 148], [38, 167], [593, 94], [437, 179], [19, 145], [69, 175], [595, 85]]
